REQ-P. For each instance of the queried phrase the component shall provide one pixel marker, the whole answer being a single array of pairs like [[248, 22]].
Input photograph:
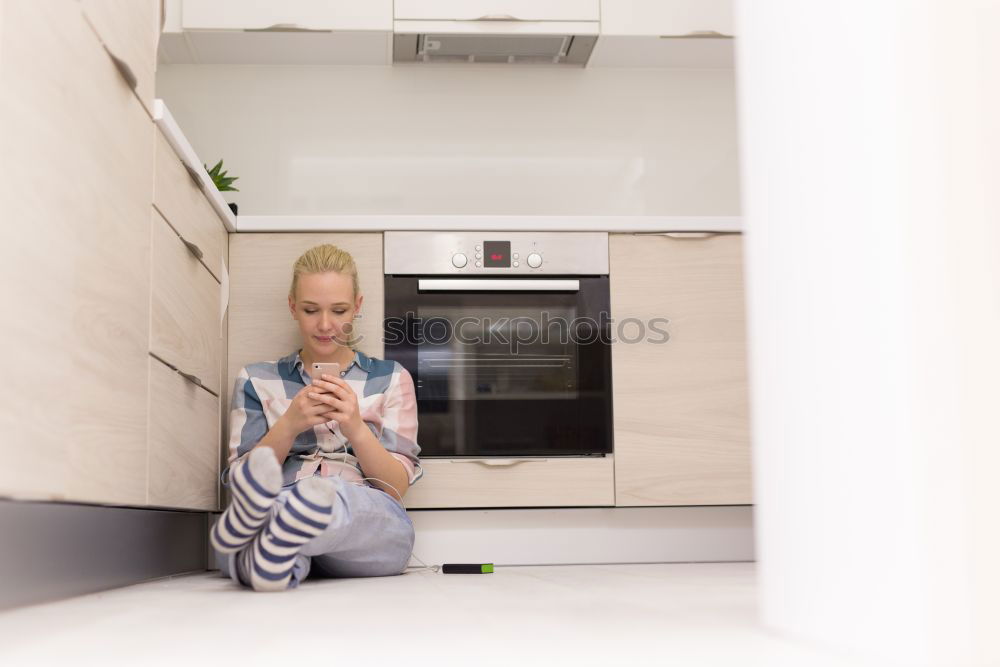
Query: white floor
[[680, 614]]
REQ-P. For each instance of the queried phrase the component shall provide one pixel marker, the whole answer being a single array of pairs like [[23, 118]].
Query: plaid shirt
[[386, 400]]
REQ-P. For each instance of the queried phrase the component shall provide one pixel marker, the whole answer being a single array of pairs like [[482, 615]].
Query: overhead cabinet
[[665, 33], [667, 18], [293, 32], [288, 15]]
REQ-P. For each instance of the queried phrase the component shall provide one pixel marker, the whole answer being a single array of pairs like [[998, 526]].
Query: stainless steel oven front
[[506, 336]]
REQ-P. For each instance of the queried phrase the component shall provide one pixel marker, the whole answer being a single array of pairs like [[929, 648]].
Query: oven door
[[505, 367]]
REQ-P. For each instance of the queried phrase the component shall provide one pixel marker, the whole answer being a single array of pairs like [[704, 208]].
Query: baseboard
[[54, 550], [571, 536]]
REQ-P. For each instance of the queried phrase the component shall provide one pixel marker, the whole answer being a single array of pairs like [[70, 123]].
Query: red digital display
[[496, 254]]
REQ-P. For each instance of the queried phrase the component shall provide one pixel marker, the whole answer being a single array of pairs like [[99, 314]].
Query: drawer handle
[[684, 235], [194, 176], [193, 379], [498, 462], [123, 69], [193, 248]]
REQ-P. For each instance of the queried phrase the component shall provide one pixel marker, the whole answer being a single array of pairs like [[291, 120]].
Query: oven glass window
[[504, 372], [496, 354]]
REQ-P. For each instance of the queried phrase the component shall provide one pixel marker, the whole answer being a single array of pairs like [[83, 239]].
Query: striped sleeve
[[247, 423], [399, 423]]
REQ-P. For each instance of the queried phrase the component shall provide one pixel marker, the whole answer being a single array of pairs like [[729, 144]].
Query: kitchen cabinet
[[75, 196], [556, 482], [680, 406], [690, 34], [670, 18], [184, 438], [185, 327], [129, 31], [288, 15], [260, 326], [294, 32], [189, 246], [179, 197]]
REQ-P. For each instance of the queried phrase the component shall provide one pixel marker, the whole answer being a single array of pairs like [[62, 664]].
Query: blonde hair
[[322, 259]]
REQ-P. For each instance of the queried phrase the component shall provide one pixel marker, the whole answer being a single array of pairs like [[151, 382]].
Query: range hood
[[492, 48], [561, 32]]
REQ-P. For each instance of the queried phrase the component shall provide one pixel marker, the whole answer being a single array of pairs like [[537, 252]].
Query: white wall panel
[[459, 140]]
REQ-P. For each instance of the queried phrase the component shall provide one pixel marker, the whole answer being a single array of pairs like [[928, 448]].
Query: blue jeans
[[370, 536]]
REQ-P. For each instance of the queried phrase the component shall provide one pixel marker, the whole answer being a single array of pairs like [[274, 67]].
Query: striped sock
[[306, 514], [255, 484]]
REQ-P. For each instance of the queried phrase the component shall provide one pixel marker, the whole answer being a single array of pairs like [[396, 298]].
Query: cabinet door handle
[[286, 27], [497, 17], [193, 379], [498, 462], [192, 248], [123, 69], [699, 34]]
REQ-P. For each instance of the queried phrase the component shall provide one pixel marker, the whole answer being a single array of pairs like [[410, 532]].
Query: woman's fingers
[[330, 381]]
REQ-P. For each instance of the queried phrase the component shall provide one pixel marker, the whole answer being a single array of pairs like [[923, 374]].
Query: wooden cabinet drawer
[[184, 442], [185, 322], [129, 30], [554, 482], [186, 207]]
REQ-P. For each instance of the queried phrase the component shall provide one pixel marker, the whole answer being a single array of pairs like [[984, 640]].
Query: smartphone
[[319, 369]]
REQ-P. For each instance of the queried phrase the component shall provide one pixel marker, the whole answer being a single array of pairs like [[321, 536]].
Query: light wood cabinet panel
[[183, 442], [260, 326], [185, 327], [186, 207], [129, 30], [581, 482], [75, 196], [680, 407]]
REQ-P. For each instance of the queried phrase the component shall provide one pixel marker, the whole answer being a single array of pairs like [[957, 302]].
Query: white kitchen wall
[[463, 140]]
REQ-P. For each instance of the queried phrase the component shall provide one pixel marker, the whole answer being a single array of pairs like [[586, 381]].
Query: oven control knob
[[459, 260], [534, 260]]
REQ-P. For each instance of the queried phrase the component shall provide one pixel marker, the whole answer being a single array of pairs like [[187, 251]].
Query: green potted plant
[[222, 182]]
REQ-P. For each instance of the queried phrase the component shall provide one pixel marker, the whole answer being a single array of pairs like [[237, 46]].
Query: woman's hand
[[341, 403], [305, 411]]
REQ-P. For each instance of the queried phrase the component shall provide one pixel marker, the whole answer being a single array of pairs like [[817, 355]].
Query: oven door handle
[[498, 462], [496, 285]]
